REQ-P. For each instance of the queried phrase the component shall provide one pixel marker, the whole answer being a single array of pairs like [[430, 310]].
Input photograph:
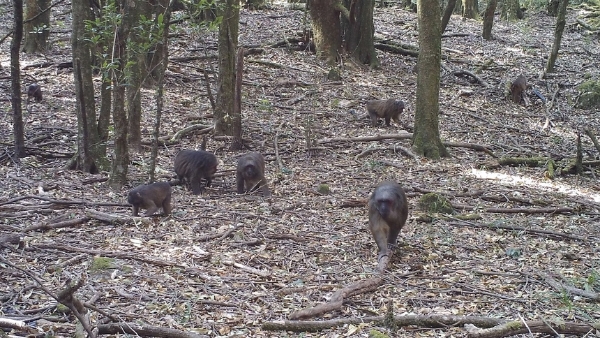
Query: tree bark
[[228, 39], [359, 31], [426, 137], [84, 98], [468, 9], [120, 161], [327, 29], [38, 29], [236, 141], [488, 19], [447, 14], [160, 90], [558, 31], [15, 75]]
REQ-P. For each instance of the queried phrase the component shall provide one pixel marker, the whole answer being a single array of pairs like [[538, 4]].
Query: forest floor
[[223, 264]]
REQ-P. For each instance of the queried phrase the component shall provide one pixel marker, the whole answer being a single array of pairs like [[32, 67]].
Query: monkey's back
[[189, 163]]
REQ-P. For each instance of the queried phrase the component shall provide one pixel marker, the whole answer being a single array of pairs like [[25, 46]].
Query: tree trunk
[[469, 9], [552, 7], [327, 29], [105, 106], [84, 90], [38, 29], [447, 14], [488, 19], [236, 142], [15, 75], [159, 50], [118, 174], [136, 73], [359, 31], [228, 39], [509, 10], [160, 91], [426, 136], [558, 31]]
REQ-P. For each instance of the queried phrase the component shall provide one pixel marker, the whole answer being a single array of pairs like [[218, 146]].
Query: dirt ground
[[223, 264]]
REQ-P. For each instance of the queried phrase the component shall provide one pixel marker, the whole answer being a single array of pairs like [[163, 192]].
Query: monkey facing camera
[[151, 197], [388, 210], [250, 174], [34, 90], [385, 109], [194, 165], [517, 88]]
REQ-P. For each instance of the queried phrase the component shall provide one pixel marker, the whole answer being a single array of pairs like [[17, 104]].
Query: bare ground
[[308, 245]]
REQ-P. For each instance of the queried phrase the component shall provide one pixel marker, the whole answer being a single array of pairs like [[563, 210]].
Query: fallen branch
[[204, 129], [145, 331], [433, 321], [368, 151], [64, 224], [570, 289], [247, 268], [519, 327], [18, 325], [560, 210], [336, 301], [64, 202], [477, 147], [548, 233], [403, 136]]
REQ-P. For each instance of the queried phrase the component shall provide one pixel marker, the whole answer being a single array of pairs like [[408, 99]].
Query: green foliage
[[376, 334], [265, 105], [593, 280]]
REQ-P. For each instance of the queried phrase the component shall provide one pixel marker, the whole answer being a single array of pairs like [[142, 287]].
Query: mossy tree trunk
[[426, 136], [38, 29], [558, 31], [228, 40], [488, 19]]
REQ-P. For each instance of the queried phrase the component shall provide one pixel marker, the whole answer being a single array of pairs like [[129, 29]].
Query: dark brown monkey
[[388, 210], [250, 174], [151, 197], [387, 109], [518, 88], [34, 90], [193, 166]]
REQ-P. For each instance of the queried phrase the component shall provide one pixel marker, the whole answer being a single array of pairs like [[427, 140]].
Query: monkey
[[193, 165], [518, 88], [34, 90], [388, 210], [387, 109], [151, 197], [250, 174]]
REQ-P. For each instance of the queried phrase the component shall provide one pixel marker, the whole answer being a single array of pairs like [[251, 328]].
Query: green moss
[[590, 94], [102, 263], [323, 189], [377, 334], [435, 203]]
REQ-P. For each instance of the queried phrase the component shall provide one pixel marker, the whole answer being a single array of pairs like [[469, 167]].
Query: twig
[[515, 228], [145, 331], [248, 268], [276, 145]]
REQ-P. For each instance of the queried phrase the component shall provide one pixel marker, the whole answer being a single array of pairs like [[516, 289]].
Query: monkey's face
[[250, 171], [134, 198], [384, 206]]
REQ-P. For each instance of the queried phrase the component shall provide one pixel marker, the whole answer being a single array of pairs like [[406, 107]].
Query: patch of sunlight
[[539, 184]]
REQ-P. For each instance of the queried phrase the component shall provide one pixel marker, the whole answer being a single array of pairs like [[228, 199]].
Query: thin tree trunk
[[236, 142], [15, 75], [160, 92], [228, 39], [447, 14], [120, 162], [468, 9], [558, 31], [488, 19], [426, 137]]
